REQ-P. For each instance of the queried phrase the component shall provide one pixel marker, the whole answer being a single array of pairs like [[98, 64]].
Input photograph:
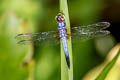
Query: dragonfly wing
[[42, 38], [83, 33], [78, 36], [92, 27]]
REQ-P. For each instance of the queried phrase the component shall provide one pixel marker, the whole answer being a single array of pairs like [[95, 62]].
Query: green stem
[[66, 74]]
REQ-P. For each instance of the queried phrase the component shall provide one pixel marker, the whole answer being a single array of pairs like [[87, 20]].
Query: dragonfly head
[[60, 17]]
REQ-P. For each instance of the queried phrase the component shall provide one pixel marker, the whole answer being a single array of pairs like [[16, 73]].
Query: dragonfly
[[80, 33]]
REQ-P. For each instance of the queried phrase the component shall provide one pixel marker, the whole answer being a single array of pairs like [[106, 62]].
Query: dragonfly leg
[[68, 36]]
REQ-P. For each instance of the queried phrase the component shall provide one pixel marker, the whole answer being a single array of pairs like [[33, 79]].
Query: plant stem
[[66, 74]]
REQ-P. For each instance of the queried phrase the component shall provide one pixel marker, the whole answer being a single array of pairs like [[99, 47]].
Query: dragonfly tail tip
[[68, 62]]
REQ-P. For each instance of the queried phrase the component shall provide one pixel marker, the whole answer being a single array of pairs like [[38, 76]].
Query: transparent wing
[[41, 38], [87, 32], [92, 27]]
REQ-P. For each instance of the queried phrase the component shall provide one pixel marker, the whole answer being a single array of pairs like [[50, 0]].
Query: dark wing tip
[[23, 35], [25, 42], [21, 42], [106, 24], [104, 32], [17, 36], [108, 32]]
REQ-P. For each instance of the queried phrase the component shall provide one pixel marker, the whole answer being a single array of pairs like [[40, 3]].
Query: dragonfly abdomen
[[64, 42]]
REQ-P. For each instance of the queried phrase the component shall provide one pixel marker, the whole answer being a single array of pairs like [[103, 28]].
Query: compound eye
[[60, 18]]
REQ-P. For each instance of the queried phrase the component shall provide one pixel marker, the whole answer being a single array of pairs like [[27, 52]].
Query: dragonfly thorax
[[62, 33], [61, 25], [62, 29]]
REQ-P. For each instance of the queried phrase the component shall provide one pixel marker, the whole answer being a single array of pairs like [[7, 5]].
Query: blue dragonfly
[[80, 33]]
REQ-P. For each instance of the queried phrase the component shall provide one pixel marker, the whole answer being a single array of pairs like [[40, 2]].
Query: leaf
[[66, 73], [108, 67]]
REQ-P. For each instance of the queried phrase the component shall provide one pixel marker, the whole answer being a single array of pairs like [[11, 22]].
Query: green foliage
[[38, 15], [11, 55], [108, 67]]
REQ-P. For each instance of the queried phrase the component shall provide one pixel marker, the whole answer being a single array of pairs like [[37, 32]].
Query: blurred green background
[[21, 16]]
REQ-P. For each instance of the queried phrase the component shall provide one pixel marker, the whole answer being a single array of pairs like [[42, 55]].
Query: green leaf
[[108, 67], [66, 74]]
